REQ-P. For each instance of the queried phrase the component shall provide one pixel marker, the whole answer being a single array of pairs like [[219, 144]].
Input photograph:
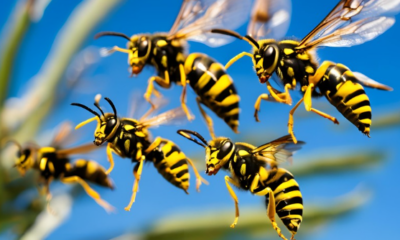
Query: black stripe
[[194, 75], [178, 164], [289, 201], [285, 213], [217, 73], [174, 148], [184, 179], [227, 109], [290, 189], [291, 227], [354, 94], [181, 173], [365, 115], [225, 93], [284, 178], [360, 104], [206, 88]]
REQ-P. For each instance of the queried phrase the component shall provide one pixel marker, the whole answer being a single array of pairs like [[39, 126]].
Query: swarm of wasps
[[212, 22]]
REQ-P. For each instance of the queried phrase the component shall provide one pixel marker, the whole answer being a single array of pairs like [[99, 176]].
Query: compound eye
[[110, 125], [269, 57], [225, 149], [143, 46]]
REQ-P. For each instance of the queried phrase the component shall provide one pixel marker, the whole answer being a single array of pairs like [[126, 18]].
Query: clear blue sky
[[157, 198]]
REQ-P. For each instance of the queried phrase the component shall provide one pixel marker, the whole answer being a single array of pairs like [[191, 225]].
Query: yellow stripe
[[289, 195], [292, 217], [51, 167], [43, 163], [223, 82], [285, 185], [203, 80], [189, 62], [231, 112], [167, 147], [357, 99], [289, 42], [365, 121], [292, 206], [362, 109], [231, 99], [179, 169], [91, 168]]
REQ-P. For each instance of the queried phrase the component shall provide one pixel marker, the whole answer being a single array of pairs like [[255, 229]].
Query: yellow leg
[[137, 173], [207, 118], [87, 121], [263, 96], [48, 198], [314, 79], [290, 123], [92, 193], [307, 97], [322, 114], [153, 145], [233, 195], [183, 95], [164, 83], [283, 97], [237, 57], [199, 179], [271, 211], [110, 158]]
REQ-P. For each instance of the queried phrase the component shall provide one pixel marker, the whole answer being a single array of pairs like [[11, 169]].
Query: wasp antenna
[[85, 107], [98, 107], [227, 32], [252, 41], [112, 105], [102, 34], [186, 134]]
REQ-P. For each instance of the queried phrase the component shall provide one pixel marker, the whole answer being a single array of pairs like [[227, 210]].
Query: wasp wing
[[173, 116], [81, 149], [197, 17], [352, 22], [270, 19], [279, 150], [366, 81]]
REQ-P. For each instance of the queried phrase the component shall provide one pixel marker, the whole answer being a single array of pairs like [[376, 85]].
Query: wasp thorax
[[140, 51]]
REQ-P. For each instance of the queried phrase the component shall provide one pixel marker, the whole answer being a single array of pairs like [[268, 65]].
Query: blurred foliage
[[253, 223], [20, 208], [387, 121]]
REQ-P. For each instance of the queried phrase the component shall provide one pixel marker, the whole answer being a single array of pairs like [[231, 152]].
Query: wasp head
[[107, 123], [139, 46], [24, 161], [218, 153], [266, 59]]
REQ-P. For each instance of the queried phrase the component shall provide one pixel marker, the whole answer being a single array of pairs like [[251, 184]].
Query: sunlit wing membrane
[[61, 133], [352, 22], [270, 19], [366, 81], [200, 16], [279, 150], [174, 116], [85, 148]]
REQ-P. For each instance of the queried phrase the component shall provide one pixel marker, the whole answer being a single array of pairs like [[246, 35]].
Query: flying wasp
[[255, 169], [166, 52], [129, 138], [350, 23], [54, 162]]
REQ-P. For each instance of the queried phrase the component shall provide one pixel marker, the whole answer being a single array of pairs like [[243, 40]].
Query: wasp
[[129, 138], [256, 169], [53, 162], [166, 52], [351, 22]]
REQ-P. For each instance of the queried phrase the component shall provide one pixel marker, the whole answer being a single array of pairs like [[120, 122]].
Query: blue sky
[[157, 198]]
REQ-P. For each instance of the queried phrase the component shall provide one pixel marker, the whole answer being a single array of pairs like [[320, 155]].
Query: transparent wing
[[81, 149], [368, 82], [197, 17], [352, 22], [270, 19], [174, 116], [62, 134], [279, 150]]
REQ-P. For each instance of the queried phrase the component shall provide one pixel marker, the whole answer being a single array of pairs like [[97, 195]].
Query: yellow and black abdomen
[[90, 171], [214, 86], [288, 198], [171, 163], [340, 87]]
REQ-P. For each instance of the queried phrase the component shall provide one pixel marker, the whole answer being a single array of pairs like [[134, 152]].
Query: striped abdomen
[[90, 171], [288, 199], [214, 87], [171, 164], [340, 87]]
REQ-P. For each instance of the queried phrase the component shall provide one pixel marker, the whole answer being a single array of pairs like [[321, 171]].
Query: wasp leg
[[207, 118], [164, 83], [263, 96], [199, 179], [233, 195], [282, 97], [92, 193], [46, 189], [110, 158], [290, 122], [237, 57], [308, 104], [137, 172], [183, 95]]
